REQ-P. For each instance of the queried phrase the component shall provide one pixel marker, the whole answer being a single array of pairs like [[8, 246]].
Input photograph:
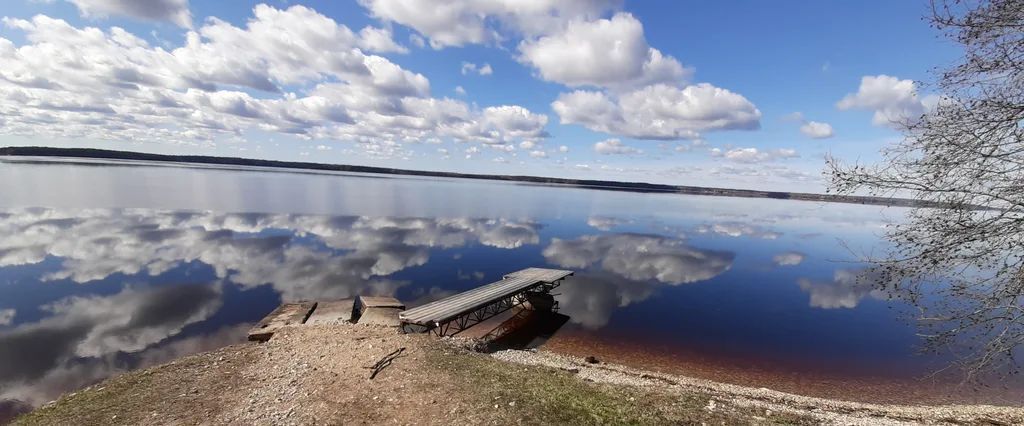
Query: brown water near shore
[[751, 372]]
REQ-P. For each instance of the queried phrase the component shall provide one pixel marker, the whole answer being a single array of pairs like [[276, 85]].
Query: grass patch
[[100, 404], [542, 395]]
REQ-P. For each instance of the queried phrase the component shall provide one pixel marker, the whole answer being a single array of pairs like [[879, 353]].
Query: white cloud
[[114, 85], [379, 40], [614, 146], [754, 155], [175, 11], [817, 130], [563, 149], [893, 100], [458, 23], [459, 90], [417, 41], [659, 111], [471, 68], [789, 258], [602, 53], [538, 154]]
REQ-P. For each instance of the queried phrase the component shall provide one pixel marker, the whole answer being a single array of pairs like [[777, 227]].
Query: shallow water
[[106, 267]]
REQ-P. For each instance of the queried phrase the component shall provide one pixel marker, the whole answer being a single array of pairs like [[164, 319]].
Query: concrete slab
[[332, 313], [285, 315], [387, 317], [379, 302]]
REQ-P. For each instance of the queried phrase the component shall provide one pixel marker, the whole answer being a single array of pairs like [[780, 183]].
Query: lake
[[111, 266]]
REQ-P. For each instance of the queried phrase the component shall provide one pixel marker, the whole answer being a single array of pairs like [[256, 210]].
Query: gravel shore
[[353, 374]]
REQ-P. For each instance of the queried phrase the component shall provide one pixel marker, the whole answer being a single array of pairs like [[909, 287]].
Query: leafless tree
[[962, 266]]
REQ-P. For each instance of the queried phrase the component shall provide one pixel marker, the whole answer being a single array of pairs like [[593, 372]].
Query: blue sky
[[740, 93]]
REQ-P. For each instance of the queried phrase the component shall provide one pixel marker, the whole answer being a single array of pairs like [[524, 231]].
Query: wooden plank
[[285, 315], [332, 313]]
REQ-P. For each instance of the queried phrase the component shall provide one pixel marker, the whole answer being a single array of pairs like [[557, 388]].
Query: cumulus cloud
[[614, 146], [175, 11], [111, 84], [817, 130], [659, 111], [634, 90], [601, 53], [754, 155], [471, 68], [811, 129], [484, 21], [379, 40], [789, 258], [893, 100]]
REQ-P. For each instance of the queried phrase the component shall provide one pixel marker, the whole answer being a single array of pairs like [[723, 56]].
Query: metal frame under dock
[[458, 312]]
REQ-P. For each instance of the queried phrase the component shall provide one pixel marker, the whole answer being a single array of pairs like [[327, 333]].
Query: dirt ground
[[355, 374]]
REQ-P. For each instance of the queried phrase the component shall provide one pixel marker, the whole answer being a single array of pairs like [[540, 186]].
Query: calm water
[[105, 268]]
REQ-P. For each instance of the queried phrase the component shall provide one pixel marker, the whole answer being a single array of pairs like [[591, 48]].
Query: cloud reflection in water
[[83, 338], [622, 269]]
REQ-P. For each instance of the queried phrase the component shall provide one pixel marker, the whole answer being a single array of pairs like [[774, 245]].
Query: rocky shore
[[352, 374]]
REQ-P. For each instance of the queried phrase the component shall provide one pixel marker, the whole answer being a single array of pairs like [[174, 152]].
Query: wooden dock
[[458, 312], [530, 286]]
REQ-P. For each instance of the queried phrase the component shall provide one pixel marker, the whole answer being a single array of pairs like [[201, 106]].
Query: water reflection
[[622, 269], [172, 270], [89, 292], [78, 339], [846, 289], [789, 258]]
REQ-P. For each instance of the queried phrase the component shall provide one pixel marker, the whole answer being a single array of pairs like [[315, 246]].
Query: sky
[[743, 94]]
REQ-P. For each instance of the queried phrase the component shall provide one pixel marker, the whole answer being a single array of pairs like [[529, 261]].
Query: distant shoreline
[[580, 183]]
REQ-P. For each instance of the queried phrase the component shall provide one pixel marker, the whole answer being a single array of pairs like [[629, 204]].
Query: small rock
[[592, 359], [512, 404]]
